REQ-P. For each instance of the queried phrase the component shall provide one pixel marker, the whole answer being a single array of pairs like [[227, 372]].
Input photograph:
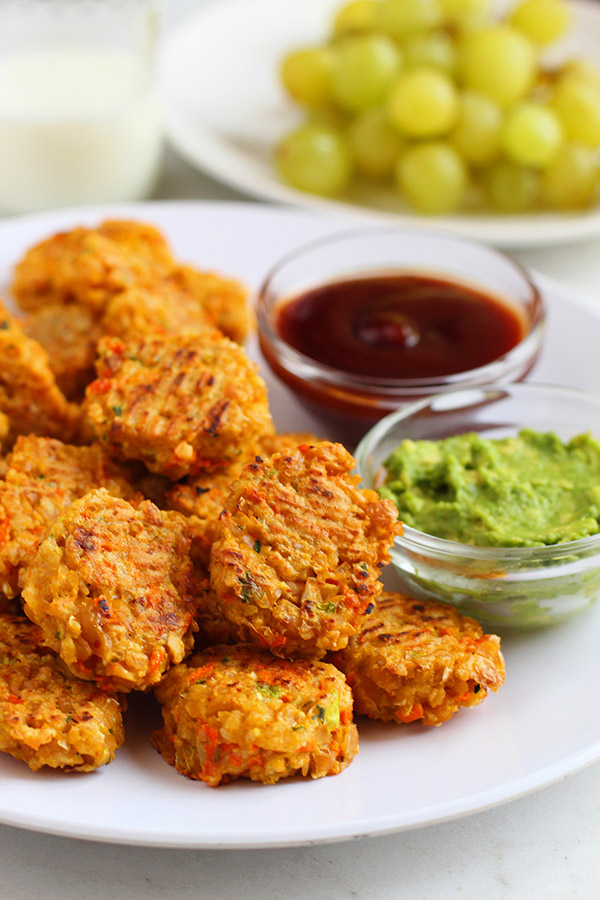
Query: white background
[[545, 846]]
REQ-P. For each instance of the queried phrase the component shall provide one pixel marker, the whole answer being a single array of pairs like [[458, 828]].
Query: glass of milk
[[79, 111]]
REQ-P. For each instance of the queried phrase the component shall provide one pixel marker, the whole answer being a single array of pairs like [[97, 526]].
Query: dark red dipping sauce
[[400, 326]]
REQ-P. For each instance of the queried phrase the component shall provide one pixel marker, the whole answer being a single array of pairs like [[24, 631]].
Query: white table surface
[[545, 846]]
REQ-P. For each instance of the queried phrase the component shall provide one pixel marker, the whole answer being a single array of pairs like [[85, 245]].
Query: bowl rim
[[414, 539], [525, 350]]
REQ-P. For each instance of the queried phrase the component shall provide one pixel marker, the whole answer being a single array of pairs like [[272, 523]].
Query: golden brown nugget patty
[[297, 562], [143, 310], [43, 478], [47, 717], [143, 241], [29, 395], [88, 266], [112, 589], [202, 497], [178, 403], [69, 334], [419, 660], [233, 712], [223, 299]]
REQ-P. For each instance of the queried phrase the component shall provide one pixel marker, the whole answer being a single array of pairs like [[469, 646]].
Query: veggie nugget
[[225, 301], [29, 395], [178, 403], [233, 712], [298, 558], [47, 717], [143, 310], [88, 266], [112, 589], [202, 497], [69, 334], [419, 660], [43, 477]]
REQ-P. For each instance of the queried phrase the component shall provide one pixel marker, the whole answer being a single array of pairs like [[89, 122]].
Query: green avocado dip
[[526, 491]]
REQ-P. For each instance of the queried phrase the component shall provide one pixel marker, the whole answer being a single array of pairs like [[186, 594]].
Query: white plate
[[544, 724], [225, 111]]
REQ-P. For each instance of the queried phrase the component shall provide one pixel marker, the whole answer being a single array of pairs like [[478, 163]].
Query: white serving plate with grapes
[[225, 111]]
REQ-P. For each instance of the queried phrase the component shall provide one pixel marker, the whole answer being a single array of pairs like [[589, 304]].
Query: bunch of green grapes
[[451, 107]]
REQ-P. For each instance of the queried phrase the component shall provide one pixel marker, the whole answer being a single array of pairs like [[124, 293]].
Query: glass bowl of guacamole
[[499, 492]]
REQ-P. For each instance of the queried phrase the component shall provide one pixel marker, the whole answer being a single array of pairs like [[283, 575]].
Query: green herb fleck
[[257, 546], [69, 719], [327, 606], [250, 589], [298, 728], [477, 688], [118, 410], [269, 690], [217, 753], [320, 714]]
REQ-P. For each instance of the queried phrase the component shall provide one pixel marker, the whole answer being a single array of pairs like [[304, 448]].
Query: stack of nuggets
[[247, 595]]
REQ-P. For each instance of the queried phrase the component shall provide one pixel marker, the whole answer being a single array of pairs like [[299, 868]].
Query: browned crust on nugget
[[223, 299], [233, 712], [419, 660], [178, 403], [43, 478], [69, 334], [80, 266], [300, 550], [144, 242], [149, 309], [29, 395], [202, 497], [113, 591], [47, 717]]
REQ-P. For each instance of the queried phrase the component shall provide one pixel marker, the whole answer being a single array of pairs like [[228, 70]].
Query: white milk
[[76, 126]]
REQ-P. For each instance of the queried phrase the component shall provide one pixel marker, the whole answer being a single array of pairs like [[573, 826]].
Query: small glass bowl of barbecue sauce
[[361, 323]]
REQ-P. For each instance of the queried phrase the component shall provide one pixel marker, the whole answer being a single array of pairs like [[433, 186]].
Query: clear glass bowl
[[351, 403], [519, 587]]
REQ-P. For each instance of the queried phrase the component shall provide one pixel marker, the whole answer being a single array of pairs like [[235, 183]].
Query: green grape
[[572, 179], [476, 134], [307, 75], [432, 177], [315, 158], [359, 15], [465, 12], [542, 20], [577, 103], [434, 49], [498, 61], [375, 144], [400, 18], [423, 103], [364, 70], [512, 188], [532, 135]]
